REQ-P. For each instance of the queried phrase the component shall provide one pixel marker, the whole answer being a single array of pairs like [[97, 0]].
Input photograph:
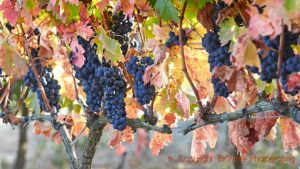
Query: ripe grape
[[144, 93], [291, 65], [103, 84], [218, 56], [50, 85], [174, 40], [120, 28]]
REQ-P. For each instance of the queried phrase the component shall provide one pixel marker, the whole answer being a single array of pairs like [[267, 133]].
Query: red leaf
[[158, 141], [290, 135], [263, 124], [78, 51], [102, 5], [170, 118], [120, 149], [293, 81], [241, 136], [128, 7], [8, 9], [85, 31], [200, 137]]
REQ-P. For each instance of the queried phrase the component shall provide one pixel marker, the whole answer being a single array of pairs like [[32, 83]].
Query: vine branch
[[184, 69]]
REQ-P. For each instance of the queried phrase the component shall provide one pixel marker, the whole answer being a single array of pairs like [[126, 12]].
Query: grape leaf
[[245, 52], [200, 137], [42, 128], [78, 52], [293, 81], [166, 10], [228, 2], [112, 47], [120, 136], [56, 138], [158, 141], [74, 2], [229, 30], [263, 124], [290, 135], [128, 7], [198, 3], [184, 103], [240, 135], [9, 12], [132, 107], [102, 4], [170, 118], [11, 61], [292, 5]]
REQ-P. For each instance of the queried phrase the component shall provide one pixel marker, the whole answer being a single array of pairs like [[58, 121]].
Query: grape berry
[[143, 92]]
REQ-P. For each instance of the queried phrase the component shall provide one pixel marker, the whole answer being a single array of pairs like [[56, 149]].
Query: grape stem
[[184, 69], [280, 60], [237, 7]]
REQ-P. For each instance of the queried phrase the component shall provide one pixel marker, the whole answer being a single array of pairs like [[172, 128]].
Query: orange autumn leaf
[[121, 136], [42, 128], [170, 118], [159, 141], [132, 108], [56, 137]]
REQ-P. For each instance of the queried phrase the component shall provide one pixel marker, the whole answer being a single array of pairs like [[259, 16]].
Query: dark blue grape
[[144, 93], [218, 56], [291, 65], [50, 85]]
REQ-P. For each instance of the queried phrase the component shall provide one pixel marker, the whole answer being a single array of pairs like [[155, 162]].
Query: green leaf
[[292, 5], [199, 4], [167, 10], [229, 30], [111, 47], [71, 12], [32, 102]]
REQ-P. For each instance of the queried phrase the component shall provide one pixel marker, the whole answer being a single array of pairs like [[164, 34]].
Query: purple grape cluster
[[120, 28], [218, 56], [51, 86], [86, 75], [103, 84], [291, 65], [144, 93], [114, 93], [269, 63], [174, 39]]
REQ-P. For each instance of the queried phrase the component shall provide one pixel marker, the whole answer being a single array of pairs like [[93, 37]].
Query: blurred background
[[37, 152]]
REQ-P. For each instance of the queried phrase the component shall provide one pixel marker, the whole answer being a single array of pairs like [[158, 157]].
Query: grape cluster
[[51, 86], [120, 28], [143, 92], [103, 84], [218, 56], [291, 65], [174, 39], [269, 63], [87, 75], [114, 93]]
